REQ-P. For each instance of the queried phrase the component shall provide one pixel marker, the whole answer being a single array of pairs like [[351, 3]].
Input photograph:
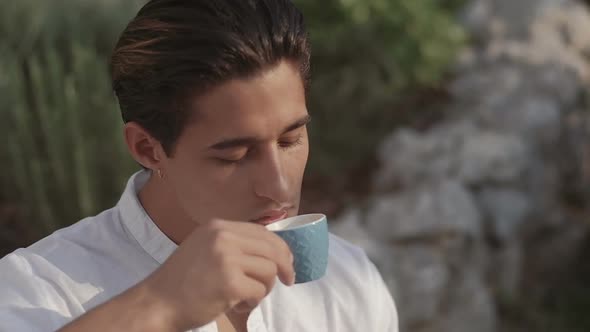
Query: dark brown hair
[[174, 50]]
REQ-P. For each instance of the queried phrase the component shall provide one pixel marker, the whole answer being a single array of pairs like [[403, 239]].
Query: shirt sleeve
[[28, 302]]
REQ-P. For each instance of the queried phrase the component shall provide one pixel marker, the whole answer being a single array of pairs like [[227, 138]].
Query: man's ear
[[144, 148]]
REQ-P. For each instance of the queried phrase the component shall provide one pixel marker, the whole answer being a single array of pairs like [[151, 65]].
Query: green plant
[[61, 126], [367, 55]]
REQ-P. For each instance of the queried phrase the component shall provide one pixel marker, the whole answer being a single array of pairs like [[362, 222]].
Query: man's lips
[[270, 217]]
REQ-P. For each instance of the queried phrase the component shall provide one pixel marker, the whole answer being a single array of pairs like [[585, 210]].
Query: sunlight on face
[[246, 151]]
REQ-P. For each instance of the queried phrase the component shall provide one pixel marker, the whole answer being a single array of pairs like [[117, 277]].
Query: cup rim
[[315, 219]]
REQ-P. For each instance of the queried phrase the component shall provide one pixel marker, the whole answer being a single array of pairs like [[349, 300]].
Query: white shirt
[[64, 275]]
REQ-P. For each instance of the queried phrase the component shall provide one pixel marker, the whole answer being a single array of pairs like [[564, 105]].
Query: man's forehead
[[276, 98], [239, 141]]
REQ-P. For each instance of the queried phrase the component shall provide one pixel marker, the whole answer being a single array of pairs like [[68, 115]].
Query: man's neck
[[163, 209]]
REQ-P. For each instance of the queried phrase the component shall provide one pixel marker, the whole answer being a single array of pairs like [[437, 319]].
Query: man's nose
[[271, 179]]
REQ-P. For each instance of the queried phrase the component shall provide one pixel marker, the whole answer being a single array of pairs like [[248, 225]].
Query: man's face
[[244, 155]]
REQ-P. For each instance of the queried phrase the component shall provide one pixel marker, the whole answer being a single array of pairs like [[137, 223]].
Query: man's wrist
[[156, 314]]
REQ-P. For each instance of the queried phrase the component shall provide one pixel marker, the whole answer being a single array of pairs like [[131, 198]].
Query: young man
[[213, 98]]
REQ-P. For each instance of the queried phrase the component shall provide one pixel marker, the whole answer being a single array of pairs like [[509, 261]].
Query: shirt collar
[[138, 222]]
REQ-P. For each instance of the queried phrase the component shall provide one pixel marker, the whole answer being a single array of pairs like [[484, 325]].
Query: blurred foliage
[[63, 155], [368, 55], [62, 150]]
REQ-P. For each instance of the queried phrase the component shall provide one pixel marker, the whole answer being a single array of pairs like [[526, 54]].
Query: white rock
[[476, 17], [470, 306], [505, 210], [428, 211], [423, 279], [506, 276], [490, 157], [407, 158]]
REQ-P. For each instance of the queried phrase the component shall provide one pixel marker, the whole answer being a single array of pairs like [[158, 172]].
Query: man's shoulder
[[73, 265], [46, 284], [351, 294], [352, 256], [82, 235], [349, 269], [67, 246]]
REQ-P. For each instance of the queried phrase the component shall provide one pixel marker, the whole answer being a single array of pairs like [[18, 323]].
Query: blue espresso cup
[[307, 236]]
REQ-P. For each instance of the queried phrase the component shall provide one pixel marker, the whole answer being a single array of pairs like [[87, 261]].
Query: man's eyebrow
[[235, 143], [249, 141], [298, 124]]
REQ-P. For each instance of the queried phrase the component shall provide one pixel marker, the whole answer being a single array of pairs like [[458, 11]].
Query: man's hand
[[220, 266]]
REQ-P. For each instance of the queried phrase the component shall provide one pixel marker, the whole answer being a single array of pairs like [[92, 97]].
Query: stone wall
[[455, 210]]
